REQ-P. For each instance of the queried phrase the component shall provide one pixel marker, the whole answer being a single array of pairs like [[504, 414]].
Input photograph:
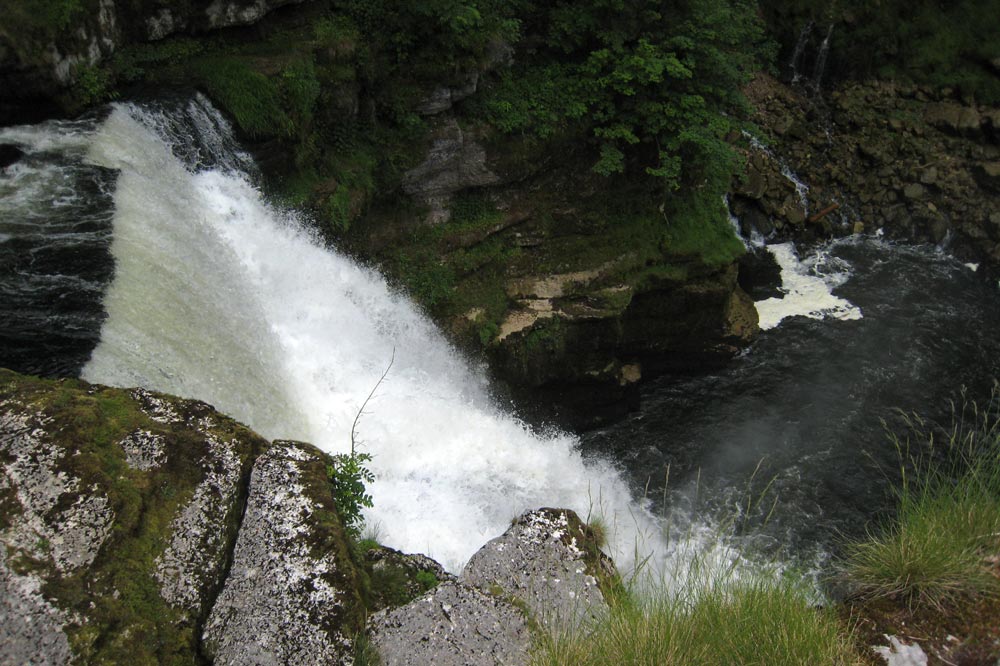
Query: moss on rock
[[93, 512]]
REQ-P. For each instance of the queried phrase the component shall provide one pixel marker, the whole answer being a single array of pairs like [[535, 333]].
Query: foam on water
[[219, 296], [808, 289]]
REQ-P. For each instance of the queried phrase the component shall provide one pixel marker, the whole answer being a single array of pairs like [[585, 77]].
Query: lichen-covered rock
[[452, 625], [118, 511], [397, 578], [549, 560], [291, 596]]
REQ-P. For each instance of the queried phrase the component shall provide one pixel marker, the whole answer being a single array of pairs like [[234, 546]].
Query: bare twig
[[361, 410]]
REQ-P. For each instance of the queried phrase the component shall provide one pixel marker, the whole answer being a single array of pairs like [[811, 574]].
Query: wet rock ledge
[[143, 528]]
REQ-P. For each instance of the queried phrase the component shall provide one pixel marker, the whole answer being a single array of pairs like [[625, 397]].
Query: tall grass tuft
[[760, 619], [933, 552]]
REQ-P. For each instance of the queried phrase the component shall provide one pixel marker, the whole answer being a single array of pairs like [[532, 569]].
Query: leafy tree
[[654, 85]]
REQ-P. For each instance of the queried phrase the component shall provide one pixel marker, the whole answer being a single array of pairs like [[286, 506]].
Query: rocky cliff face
[[49, 50], [916, 163], [571, 292]]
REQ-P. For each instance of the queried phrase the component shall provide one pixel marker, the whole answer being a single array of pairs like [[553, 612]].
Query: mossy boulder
[[544, 574], [551, 562], [292, 594], [142, 528], [397, 578], [119, 510]]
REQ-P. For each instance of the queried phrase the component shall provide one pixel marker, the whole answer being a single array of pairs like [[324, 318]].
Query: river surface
[[135, 248], [801, 412]]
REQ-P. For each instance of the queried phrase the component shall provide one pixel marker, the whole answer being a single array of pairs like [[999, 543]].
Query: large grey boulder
[[452, 625], [291, 595], [549, 560], [118, 511]]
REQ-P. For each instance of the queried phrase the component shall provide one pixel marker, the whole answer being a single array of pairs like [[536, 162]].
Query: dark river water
[[805, 412]]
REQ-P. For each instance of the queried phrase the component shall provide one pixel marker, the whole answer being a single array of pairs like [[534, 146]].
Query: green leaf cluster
[[654, 86], [348, 475]]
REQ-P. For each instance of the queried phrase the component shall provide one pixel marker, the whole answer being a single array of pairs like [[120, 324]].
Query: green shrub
[[654, 86], [426, 579], [300, 89], [697, 224], [948, 518], [92, 86]]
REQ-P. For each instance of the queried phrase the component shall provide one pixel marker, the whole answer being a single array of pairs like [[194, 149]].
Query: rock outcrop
[[123, 513], [452, 625], [546, 572], [137, 527], [118, 513], [548, 559], [47, 51], [291, 596], [915, 163], [454, 162]]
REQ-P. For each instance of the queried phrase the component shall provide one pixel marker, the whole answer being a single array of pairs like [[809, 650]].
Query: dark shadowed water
[[807, 401], [55, 234]]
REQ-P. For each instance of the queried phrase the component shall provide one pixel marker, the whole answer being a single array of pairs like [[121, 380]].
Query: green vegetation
[[728, 619], [939, 44], [47, 16], [348, 475], [654, 87], [426, 579], [252, 98], [933, 551]]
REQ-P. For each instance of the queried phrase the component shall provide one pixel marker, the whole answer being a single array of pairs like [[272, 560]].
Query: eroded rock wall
[[49, 51], [916, 163]]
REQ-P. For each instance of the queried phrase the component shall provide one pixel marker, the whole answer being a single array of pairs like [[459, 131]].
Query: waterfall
[[220, 296], [798, 60], [820, 66], [800, 46]]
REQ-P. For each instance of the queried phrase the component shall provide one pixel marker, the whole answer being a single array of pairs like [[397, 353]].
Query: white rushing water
[[808, 289], [218, 295]]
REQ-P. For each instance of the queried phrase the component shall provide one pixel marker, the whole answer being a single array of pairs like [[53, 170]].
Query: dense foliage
[[655, 86]]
